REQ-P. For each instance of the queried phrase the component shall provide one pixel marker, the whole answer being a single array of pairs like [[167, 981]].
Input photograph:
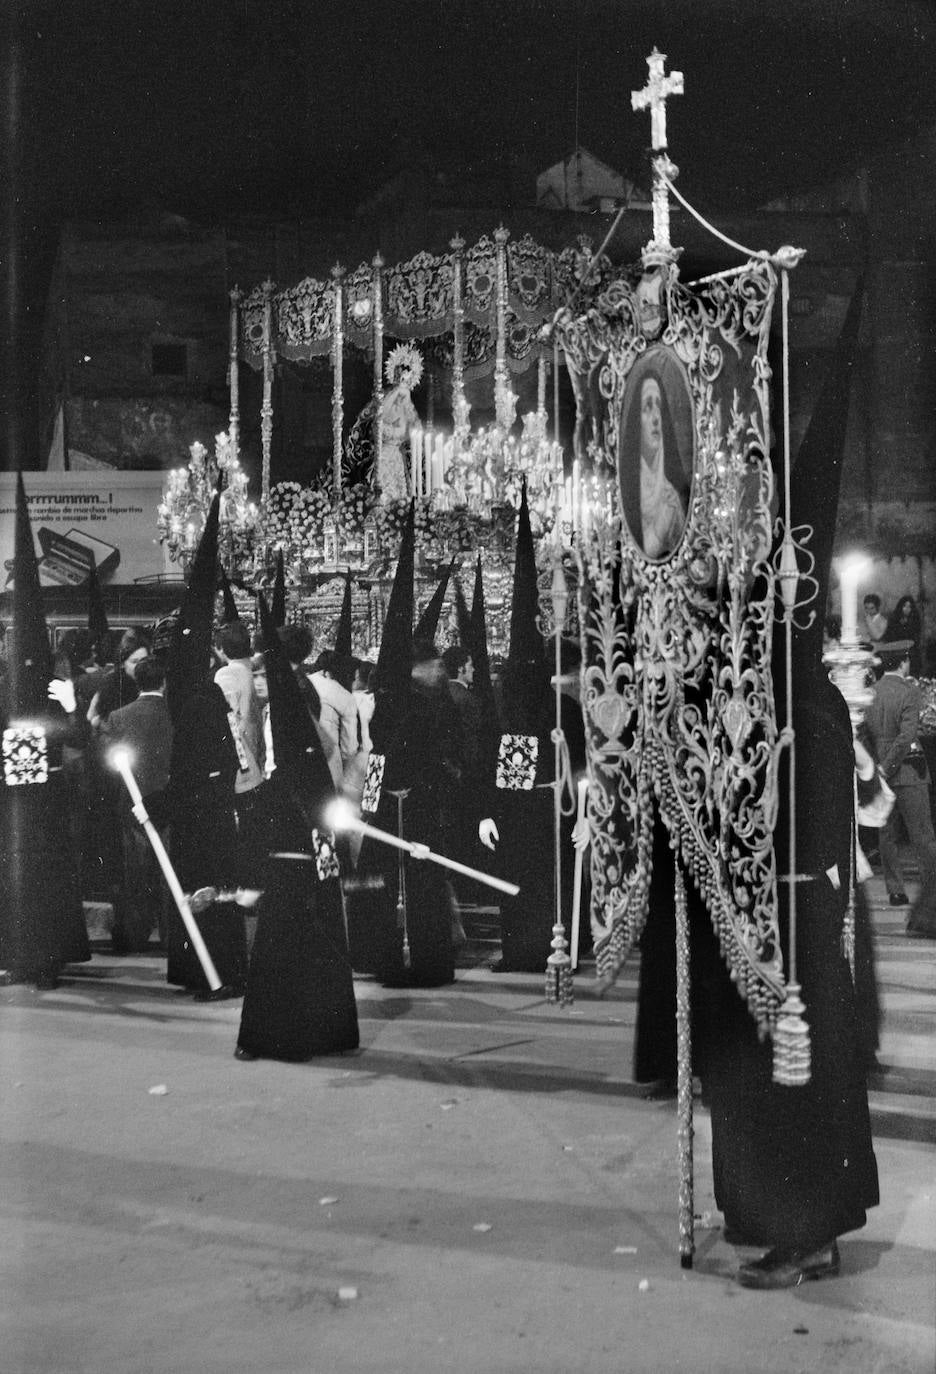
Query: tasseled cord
[[791, 1048], [559, 989]]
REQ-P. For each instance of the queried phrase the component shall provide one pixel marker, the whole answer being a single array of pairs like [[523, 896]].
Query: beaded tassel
[[791, 1059], [848, 936], [559, 970]]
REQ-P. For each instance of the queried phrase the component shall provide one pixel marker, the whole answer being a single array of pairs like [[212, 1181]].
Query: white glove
[[139, 812], [202, 899], [487, 832], [581, 835], [864, 763], [62, 690], [419, 851]]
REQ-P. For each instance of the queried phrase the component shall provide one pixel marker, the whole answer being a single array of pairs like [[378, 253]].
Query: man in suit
[[460, 669], [893, 722], [236, 679], [144, 729], [338, 712]]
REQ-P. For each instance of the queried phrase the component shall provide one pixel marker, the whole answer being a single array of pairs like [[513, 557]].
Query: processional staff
[[659, 253], [341, 817], [120, 759]]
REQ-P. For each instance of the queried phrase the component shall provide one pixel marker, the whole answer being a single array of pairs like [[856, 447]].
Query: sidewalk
[[482, 1175]]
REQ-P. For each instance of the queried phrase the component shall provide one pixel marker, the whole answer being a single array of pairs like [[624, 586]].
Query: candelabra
[[187, 498]]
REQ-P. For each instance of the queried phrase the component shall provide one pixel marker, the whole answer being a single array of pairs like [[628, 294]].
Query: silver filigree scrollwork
[[303, 319], [419, 295], [678, 694], [251, 327]]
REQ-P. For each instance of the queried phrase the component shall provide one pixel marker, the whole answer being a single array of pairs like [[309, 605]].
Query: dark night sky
[[212, 108]]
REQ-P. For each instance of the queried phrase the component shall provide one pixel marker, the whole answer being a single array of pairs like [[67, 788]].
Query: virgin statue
[[398, 416]]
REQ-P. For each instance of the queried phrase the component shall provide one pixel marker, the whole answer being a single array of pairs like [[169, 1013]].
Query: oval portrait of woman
[[656, 444]]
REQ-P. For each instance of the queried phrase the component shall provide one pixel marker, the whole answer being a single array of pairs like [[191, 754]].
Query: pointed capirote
[[189, 662], [816, 479], [343, 641], [526, 672], [229, 611], [98, 627], [428, 624], [478, 642], [395, 656]]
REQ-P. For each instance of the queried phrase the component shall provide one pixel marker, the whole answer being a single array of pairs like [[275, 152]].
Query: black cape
[[300, 994], [795, 1167], [426, 756]]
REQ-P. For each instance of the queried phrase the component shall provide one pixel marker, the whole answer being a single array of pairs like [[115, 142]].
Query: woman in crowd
[[119, 688]]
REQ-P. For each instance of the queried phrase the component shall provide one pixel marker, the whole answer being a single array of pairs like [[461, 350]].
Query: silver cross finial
[[655, 94]]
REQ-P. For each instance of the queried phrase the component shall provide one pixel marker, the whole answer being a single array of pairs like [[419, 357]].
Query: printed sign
[[79, 517]]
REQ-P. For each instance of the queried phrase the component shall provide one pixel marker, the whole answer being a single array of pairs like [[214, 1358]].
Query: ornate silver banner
[[676, 600]]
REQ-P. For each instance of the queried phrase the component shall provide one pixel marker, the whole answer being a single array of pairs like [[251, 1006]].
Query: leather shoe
[[245, 1055], [221, 994], [782, 1268], [899, 899]]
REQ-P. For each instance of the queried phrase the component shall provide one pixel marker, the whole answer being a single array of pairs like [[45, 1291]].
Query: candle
[[851, 569], [121, 761], [426, 477], [415, 448]]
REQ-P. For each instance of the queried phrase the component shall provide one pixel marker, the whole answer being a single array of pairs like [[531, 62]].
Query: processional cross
[[655, 94]]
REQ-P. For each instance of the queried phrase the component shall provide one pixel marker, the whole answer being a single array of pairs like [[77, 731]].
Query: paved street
[[481, 1189]]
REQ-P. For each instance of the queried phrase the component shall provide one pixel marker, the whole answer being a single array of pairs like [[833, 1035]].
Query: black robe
[[795, 1167], [426, 756], [300, 993], [42, 923], [200, 805], [525, 850]]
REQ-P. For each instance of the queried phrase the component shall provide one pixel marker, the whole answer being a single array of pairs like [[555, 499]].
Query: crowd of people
[[120, 693], [241, 737]]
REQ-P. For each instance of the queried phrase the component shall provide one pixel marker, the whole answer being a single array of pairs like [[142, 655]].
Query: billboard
[[77, 517]]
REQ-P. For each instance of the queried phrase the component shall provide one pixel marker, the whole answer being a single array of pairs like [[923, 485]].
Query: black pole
[[12, 428]]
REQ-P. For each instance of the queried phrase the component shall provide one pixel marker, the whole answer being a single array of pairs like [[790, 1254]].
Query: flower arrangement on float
[[472, 509], [308, 516], [276, 517]]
